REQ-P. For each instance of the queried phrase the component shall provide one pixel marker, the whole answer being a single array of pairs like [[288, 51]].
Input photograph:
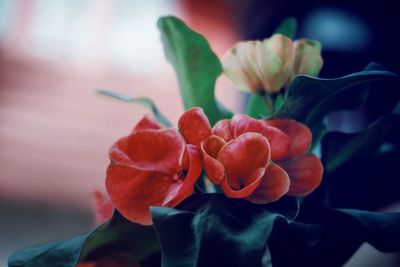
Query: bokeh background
[[55, 130]]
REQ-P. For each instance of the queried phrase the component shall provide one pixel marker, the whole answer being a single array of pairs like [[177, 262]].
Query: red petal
[[86, 264], [223, 129], [103, 207], [194, 126], [181, 190], [305, 173], [300, 135], [112, 259], [274, 184], [117, 259], [117, 152], [133, 191], [150, 150], [278, 140], [209, 150], [248, 189], [147, 123], [243, 158]]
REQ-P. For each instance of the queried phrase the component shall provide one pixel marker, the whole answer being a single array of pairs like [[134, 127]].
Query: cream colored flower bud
[[307, 58], [260, 65]]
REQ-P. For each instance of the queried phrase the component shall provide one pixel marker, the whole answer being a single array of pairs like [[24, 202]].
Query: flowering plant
[[244, 189]]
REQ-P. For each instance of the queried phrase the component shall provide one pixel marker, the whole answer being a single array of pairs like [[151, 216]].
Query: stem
[[197, 188], [269, 104], [269, 100]]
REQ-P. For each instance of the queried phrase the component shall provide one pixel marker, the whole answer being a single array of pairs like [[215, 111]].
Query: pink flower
[[260, 65], [272, 63], [260, 160], [151, 167]]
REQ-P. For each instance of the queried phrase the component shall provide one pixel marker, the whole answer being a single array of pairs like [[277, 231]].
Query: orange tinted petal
[[278, 140], [194, 126], [305, 173], [223, 129], [155, 150], [117, 259], [246, 191], [86, 264], [299, 134], [147, 123], [133, 191], [103, 207], [186, 178], [112, 259], [274, 184], [117, 152], [243, 157], [210, 148]]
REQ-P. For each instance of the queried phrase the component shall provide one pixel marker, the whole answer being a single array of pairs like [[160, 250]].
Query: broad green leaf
[[287, 206], [338, 148], [138, 240], [117, 234], [287, 27], [218, 231], [261, 106], [331, 241], [310, 99], [196, 66], [144, 101], [256, 107], [59, 253], [365, 182]]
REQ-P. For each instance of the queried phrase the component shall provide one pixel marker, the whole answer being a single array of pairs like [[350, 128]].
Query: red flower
[[112, 259], [151, 167], [260, 160], [103, 207]]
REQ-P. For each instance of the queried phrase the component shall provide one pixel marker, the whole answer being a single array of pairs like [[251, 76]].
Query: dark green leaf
[[286, 206], [287, 27], [117, 234], [122, 235], [144, 101], [332, 241], [256, 107], [196, 66], [310, 99], [364, 182], [338, 148], [220, 232], [54, 254]]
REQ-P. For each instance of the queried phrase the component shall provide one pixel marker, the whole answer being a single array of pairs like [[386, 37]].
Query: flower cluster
[[258, 160], [270, 64], [151, 167]]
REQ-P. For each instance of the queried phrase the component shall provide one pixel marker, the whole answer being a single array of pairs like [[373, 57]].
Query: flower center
[[181, 176]]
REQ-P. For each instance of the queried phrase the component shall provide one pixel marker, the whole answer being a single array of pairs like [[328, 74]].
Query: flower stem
[[268, 100]]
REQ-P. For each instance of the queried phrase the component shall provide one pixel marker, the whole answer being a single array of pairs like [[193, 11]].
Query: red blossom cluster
[[257, 160]]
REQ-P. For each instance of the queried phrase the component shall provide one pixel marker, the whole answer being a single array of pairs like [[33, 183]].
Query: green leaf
[[144, 101], [256, 107], [117, 234], [310, 99], [287, 27], [338, 148], [364, 182], [333, 240], [138, 240], [212, 230], [219, 232], [59, 253], [196, 66]]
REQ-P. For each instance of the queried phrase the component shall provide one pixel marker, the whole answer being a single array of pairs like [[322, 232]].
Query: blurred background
[[55, 131]]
